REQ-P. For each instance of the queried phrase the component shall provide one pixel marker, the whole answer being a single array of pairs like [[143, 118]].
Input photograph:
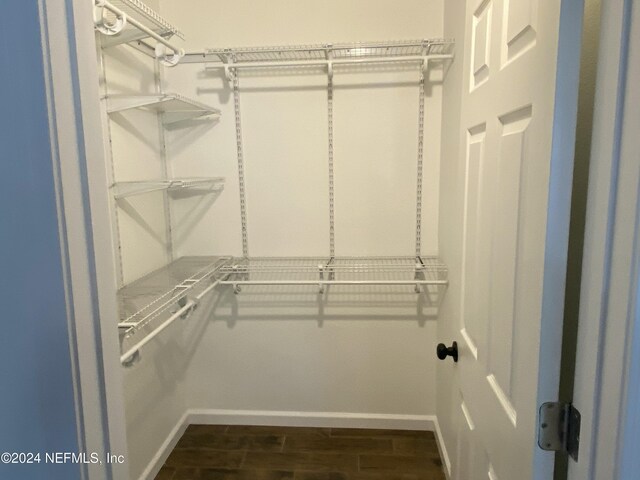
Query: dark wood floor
[[220, 452]]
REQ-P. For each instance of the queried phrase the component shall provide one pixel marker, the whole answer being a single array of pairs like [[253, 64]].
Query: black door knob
[[443, 351]]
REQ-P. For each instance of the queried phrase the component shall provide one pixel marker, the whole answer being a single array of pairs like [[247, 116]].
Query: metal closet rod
[[333, 282], [350, 61], [127, 19]]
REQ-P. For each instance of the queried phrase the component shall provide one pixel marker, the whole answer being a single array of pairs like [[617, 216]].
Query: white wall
[[281, 22], [285, 134], [272, 349], [155, 398], [359, 351]]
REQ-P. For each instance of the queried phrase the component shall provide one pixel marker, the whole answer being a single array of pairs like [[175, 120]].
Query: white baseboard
[[165, 449], [442, 448], [293, 419], [312, 419]]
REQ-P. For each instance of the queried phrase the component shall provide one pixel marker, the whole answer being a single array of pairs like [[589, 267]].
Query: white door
[[518, 123]]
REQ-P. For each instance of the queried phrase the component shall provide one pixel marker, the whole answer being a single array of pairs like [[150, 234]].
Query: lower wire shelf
[[150, 304], [197, 184], [322, 271]]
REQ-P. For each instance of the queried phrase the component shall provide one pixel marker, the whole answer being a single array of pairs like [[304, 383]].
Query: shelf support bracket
[[419, 275], [321, 285], [425, 64], [425, 56], [229, 71]]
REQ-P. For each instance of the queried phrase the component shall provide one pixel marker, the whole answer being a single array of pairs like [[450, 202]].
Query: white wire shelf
[[417, 272], [151, 304], [175, 107], [199, 184], [336, 54], [143, 14]]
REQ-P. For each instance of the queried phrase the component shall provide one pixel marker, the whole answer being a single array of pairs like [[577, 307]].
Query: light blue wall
[[36, 391]]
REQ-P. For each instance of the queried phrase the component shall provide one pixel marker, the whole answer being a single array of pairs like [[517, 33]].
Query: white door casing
[[518, 125], [607, 378], [71, 70]]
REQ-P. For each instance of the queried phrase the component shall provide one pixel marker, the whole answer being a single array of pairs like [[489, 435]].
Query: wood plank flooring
[[234, 452]]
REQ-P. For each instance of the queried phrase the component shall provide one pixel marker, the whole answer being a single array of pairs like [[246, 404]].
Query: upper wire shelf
[[147, 16], [176, 108], [415, 48], [200, 184], [347, 53], [133, 22]]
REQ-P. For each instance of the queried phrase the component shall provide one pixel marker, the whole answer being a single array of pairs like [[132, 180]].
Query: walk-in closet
[[333, 234]]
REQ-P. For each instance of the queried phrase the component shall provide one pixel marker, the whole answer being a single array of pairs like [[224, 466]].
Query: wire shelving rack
[[176, 108], [422, 275], [197, 184]]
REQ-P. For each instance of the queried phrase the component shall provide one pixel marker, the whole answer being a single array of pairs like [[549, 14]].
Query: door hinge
[[559, 428]]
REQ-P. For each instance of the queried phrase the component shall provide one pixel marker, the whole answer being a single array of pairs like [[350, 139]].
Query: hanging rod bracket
[[320, 283], [192, 306], [133, 357], [229, 72], [228, 60], [131, 360], [103, 25], [168, 57]]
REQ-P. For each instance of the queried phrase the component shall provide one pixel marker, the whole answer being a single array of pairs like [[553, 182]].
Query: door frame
[[76, 131], [607, 378]]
